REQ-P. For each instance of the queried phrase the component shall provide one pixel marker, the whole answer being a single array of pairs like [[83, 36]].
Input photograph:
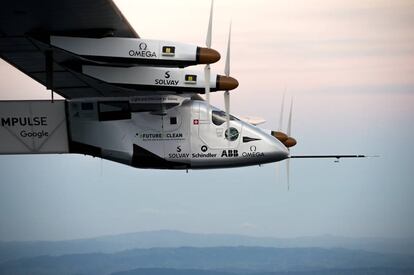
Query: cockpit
[[219, 117]]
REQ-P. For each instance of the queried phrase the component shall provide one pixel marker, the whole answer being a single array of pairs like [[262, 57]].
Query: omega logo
[[143, 46], [143, 51], [253, 148]]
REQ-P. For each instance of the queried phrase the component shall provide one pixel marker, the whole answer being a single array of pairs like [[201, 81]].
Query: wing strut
[[49, 71]]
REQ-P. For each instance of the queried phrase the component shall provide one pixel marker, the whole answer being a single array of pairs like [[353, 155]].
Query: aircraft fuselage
[[190, 135]]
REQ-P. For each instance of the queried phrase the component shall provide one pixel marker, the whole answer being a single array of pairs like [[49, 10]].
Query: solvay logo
[[166, 81]]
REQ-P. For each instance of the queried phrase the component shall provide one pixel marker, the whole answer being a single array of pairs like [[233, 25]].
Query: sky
[[349, 66]]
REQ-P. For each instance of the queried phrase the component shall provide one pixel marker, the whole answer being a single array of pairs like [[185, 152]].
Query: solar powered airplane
[[127, 99]]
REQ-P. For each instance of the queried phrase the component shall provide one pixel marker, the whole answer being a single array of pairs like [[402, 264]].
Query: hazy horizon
[[327, 235]]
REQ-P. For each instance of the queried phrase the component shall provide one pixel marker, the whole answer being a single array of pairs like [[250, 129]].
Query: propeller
[[282, 107], [289, 129], [286, 138], [227, 73], [207, 70]]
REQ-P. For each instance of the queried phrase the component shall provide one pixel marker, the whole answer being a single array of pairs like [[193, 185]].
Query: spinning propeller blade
[[288, 132], [282, 107], [207, 71], [227, 73], [289, 127], [289, 142], [227, 108], [288, 173], [210, 26], [227, 65], [286, 139]]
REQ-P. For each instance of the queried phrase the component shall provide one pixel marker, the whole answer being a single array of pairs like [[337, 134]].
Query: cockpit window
[[219, 117]]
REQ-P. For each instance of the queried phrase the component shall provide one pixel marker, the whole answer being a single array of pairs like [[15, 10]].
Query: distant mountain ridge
[[360, 271], [236, 260], [169, 238]]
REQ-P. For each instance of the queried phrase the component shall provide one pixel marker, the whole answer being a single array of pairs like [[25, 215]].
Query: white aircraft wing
[[20, 20], [252, 119]]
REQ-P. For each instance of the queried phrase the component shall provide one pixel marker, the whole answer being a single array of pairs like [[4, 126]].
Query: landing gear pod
[[134, 51]]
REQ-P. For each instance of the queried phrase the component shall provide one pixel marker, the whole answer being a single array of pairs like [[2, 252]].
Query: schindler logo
[[142, 51], [168, 50]]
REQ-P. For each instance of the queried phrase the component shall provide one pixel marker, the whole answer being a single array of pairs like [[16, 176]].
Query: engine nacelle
[[290, 142], [284, 138], [159, 78], [279, 135], [134, 51]]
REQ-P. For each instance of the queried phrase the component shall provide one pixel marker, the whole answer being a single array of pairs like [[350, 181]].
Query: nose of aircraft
[[280, 152], [273, 148]]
